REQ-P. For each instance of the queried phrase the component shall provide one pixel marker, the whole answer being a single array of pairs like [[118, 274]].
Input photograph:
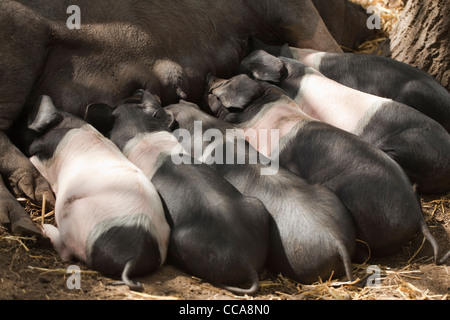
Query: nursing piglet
[[380, 76], [108, 214], [217, 234], [378, 194], [383, 77], [312, 233], [419, 144]]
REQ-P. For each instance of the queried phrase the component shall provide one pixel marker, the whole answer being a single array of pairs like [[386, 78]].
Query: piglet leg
[[54, 235]]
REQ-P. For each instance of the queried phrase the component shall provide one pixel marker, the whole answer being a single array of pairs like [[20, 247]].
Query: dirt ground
[[33, 271]]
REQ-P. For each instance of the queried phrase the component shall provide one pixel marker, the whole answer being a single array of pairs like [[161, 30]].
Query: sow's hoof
[[29, 183], [14, 217]]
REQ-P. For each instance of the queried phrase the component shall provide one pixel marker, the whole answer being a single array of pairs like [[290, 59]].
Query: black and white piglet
[[108, 214], [385, 209], [217, 234], [312, 234], [380, 76], [418, 143]]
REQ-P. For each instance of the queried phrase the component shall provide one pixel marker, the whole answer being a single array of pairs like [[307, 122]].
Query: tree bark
[[422, 38]]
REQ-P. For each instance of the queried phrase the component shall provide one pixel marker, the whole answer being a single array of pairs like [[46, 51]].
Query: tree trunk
[[422, 38]]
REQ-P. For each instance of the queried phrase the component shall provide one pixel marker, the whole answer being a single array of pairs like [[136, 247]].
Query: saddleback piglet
[[383, 77], [418, 143], [378, 194], [312, 234], [377, 75], [217, 234], [108, 214]]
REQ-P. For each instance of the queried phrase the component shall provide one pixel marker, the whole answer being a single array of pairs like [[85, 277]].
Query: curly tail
[[427, 234], [134, 286], [425, 231], [343, 252], [444, 258], [252, 290]]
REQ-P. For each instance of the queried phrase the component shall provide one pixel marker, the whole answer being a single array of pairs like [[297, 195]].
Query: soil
[[30, 270]]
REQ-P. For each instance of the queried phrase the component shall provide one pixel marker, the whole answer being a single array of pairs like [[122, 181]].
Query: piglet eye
[[156, 114]]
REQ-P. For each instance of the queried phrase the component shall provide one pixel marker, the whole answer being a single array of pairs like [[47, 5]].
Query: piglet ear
[[171, 119], [170, 122], [46, 115], [100, 116], [149, 99], [263, 66], [286, 52], [238, 92]]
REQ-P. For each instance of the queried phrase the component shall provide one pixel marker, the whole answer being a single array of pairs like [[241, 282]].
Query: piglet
[[418, 143], [312, 233], [108, 214], [217, 234], [385, 209], [380, 76]]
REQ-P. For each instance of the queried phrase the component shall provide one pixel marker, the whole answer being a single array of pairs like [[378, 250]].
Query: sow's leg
[[23, 48], [299, 23], [24, 180]]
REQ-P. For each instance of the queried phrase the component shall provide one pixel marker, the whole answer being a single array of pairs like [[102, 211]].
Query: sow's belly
[[105, 63]]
